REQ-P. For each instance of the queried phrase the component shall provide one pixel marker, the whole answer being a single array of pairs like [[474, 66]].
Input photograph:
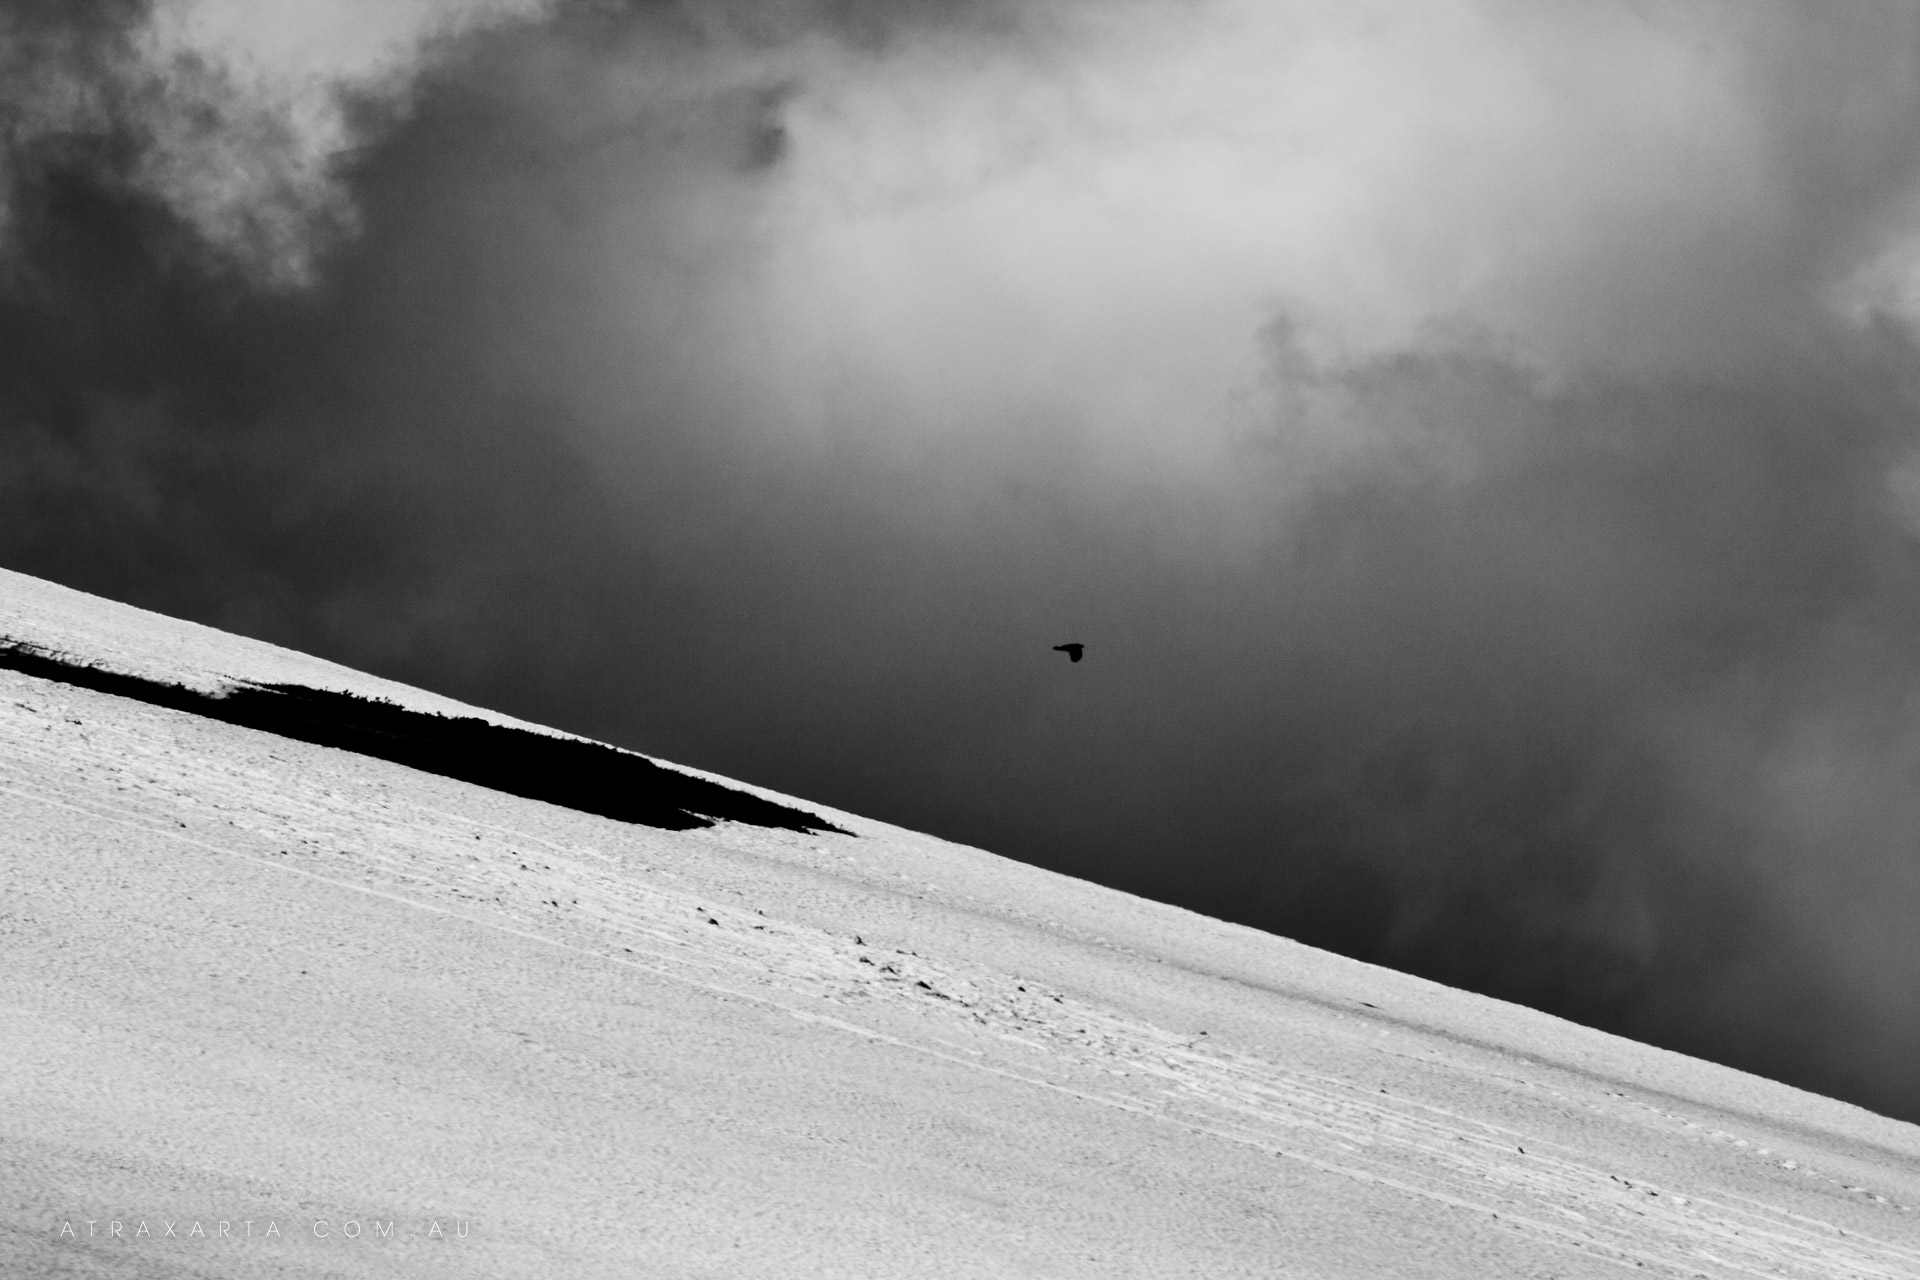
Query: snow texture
[[383, 1023]]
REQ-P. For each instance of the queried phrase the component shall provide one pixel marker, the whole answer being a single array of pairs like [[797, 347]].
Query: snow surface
[[245, 980]]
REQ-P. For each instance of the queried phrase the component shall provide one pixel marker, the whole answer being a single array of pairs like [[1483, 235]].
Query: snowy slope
[[246, 980]]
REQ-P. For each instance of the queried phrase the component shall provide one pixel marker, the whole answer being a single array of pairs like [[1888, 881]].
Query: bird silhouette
[[1071, 650]]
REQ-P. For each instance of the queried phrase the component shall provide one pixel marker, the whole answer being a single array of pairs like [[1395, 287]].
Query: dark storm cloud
[[1474, 446]]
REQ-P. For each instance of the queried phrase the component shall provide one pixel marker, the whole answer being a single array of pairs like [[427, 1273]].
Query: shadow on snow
[[569, 772]]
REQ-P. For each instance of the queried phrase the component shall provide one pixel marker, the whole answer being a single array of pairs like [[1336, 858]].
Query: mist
[[1474, 443]]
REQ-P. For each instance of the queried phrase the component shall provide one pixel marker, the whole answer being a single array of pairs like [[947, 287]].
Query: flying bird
[[1071, 650]]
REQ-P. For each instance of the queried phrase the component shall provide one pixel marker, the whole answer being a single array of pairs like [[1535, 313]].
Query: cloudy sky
[[1475, 441]]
